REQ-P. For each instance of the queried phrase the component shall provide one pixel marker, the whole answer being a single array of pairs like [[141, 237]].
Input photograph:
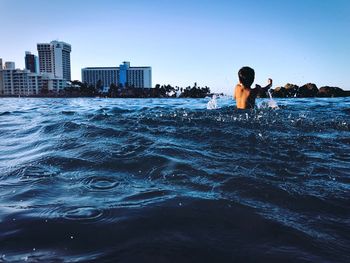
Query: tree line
[[78, 88]]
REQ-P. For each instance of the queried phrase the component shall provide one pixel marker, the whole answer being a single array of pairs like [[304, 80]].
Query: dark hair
[[246, 76]]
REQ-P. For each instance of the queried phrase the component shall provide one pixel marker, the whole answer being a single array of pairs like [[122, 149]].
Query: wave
[[117, 180]]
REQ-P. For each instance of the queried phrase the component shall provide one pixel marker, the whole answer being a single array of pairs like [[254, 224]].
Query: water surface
[[166, 180]]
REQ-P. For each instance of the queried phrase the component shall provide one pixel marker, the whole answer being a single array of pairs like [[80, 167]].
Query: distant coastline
[[309, 90], [78, 89]]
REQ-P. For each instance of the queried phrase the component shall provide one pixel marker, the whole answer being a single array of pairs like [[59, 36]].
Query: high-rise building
[[1, 67], [123, 76], [123, 73], [138, 77], [54, 58], [103, 75], [10, 65], [31, 62]]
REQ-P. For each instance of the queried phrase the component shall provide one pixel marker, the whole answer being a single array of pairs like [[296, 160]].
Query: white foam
[[272, 103], [212, 104]]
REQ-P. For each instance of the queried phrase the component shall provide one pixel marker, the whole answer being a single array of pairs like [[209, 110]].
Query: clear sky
[[187, 41]]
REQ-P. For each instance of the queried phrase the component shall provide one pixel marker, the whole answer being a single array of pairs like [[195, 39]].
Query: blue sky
[[207, 42]]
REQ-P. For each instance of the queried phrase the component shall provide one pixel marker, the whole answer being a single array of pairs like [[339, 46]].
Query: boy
[[243, 94]]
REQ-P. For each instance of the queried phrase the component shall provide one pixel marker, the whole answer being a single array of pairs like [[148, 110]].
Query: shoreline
[[130, 97]]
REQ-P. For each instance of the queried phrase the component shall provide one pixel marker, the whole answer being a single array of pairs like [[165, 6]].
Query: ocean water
[[167, 180]]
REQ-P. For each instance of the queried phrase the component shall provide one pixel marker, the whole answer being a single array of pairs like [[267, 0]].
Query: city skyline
[[202, 41], [49, 72]]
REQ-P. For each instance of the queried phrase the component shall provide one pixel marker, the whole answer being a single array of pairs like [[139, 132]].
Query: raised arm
[[266, 88]]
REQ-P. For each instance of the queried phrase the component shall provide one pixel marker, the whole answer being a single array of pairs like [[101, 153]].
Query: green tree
[[113, 90]]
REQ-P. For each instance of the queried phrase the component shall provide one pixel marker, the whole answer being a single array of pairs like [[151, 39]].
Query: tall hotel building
[[123, 76], [54, 58]]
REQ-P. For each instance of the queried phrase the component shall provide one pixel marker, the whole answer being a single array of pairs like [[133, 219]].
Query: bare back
[[245, 97]]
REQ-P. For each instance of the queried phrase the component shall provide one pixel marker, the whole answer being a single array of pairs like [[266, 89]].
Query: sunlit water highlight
[[166, 180]]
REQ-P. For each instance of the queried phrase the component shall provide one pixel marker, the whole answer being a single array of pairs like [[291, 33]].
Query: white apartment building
[[19, 82], [52, 84], [54, 58], [25, 83]]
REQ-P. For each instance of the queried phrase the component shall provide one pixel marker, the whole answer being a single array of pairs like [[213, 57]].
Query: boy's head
[[246, 76]]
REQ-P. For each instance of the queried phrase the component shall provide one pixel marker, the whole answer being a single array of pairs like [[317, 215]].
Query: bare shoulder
[[238, 87]]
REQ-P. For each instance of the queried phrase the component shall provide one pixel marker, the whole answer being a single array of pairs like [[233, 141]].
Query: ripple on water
[[72, 213], [5, 113], [97, 183], [86, 213], [149, 195], [67, 112], [82, 214], [30, 174], [34, 171]]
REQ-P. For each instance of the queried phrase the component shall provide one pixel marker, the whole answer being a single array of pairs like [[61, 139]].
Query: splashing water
[[178, 93], [272, 103], [212, 104]]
